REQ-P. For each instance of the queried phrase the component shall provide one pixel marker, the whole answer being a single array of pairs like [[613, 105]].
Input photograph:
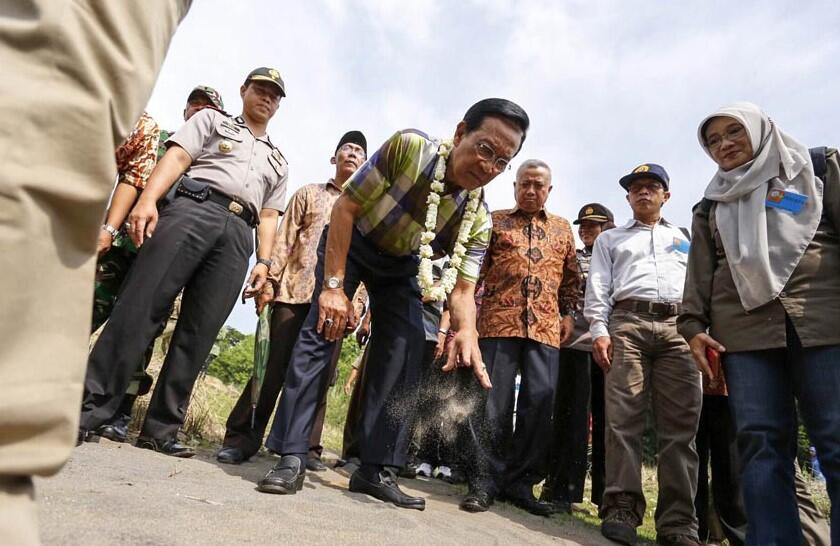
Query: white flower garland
[[450, 274]]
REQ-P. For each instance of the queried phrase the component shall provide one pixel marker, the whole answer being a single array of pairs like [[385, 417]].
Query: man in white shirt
[[632, 301]]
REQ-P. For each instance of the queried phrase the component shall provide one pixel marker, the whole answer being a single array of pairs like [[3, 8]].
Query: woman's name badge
[[787, 200]]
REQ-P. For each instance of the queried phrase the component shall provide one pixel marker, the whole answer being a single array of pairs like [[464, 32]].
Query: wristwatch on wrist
[[111, 230], [333, 282], [265, 262]]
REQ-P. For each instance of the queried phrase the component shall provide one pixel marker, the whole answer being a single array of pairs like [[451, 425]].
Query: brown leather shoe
[[620, 522]]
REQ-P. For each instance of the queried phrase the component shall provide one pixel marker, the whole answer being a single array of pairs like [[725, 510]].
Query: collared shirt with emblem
[[392, 187], [227, 156], [635, 261], [136, 156], [295, 251], [530, 277]]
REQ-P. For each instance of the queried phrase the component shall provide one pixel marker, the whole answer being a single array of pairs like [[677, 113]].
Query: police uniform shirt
[[227, 156]]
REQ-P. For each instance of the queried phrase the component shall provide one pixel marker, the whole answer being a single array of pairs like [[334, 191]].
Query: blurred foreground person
[[69, 69]]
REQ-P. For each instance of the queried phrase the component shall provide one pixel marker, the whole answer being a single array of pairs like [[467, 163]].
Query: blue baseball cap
[[645, 170]]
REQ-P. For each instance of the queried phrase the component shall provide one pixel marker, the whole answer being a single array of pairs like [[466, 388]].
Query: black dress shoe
[[286, 478], [476, 501], [230, 455], [167, 447], [315, 465], [529, 503], [409, 471], [113, 432], [384, 487], [86, 436]]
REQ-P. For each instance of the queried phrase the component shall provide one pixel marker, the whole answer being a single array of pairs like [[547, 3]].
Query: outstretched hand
[[464, 353]]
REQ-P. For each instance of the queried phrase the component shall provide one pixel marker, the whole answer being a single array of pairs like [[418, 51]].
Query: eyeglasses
[[732, 133], [486, 153], [358, 150]]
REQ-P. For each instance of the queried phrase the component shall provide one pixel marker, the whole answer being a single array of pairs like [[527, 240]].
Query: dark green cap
[[214, 96]]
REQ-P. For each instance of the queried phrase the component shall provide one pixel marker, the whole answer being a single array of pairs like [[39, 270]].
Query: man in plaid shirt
[[374, 237]]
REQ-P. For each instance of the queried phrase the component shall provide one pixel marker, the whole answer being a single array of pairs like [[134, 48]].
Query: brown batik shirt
[[137, 156], [295, 251], [530, 277]]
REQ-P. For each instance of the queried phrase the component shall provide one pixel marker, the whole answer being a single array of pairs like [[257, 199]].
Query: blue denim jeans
[[764, 387]]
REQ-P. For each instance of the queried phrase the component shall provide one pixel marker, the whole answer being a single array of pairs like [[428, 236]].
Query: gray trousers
[[201, 248], [651, 361]]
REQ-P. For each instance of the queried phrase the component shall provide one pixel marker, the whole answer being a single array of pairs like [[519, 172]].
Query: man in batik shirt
[[530, 279], [292, 276], [374, 236], [136, 158]]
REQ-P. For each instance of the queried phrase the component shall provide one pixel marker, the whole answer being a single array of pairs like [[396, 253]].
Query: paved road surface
[[115, 494]]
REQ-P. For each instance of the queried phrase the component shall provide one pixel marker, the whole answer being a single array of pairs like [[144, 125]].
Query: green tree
[[236, 360], [228, 337]]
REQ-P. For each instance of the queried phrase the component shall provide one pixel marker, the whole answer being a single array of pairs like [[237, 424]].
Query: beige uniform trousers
[[651, 361], [76, 76]]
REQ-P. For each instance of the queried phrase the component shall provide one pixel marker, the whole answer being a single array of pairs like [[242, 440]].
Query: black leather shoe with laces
[[529, 503], [167, 447], [286, 478], [230, 455], [384, 487], [116, 431], [476, 501]]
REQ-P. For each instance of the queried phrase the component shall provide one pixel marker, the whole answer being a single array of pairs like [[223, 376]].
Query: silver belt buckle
[[235, 208]]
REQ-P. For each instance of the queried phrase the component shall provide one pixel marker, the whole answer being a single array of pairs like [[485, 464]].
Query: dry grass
[[210, 404]]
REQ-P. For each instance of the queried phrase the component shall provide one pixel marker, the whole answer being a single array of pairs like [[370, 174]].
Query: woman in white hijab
[[763, 285]]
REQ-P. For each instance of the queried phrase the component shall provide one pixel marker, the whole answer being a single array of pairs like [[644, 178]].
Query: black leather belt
[[661, 308], [240, 209]]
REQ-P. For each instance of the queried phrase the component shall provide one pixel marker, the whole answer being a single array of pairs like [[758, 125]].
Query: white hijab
[[763, 245]]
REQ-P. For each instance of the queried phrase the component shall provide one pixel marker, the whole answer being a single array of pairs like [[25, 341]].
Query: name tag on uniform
[[787, 200], [681, 245]]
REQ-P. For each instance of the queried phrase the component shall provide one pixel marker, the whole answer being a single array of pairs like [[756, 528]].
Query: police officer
[[117, 252], [235, 181]]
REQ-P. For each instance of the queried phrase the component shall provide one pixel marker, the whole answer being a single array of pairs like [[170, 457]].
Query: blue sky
[[608, 85]]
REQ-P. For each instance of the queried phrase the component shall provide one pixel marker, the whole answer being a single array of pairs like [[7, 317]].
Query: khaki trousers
[[652, 361], [76, 76]]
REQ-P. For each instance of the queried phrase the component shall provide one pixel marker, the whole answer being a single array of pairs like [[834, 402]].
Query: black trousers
[[350, 441], [568, 461], [716, 444], [202, 248], [510, 458], [391, 372], [599, 453], [286, 321]]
